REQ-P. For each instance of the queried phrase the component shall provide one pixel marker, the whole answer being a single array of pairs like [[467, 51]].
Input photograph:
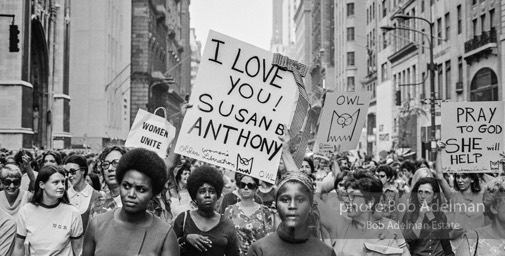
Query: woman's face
[[49, 160], [293, 205], [184, 177], [206, 197], [355, 203], [109, 167], [247, 187], [10, 183], [54, 187], [74, 172], [305, 167], [382, 177], [136, 191], [425, 194], [463, 181]]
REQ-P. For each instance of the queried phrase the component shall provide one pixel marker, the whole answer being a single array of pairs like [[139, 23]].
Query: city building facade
[[34, 82], [100, 73]]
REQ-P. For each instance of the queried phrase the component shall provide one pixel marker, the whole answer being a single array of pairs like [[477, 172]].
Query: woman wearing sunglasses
[[80, 193], [12, 198], [49, 223], [252, 221], [294, 200], [109, 160]]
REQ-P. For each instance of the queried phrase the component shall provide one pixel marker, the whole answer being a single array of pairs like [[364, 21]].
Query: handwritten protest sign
[[342, 119], [151, 132], [241, 103], [473, 134]]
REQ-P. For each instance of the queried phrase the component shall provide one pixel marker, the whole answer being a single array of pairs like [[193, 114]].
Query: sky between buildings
[[245, 20]]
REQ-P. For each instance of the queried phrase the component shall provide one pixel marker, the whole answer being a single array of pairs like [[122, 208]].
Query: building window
[[484, 86], [350, 58], [439, 30], [350, 34], [422, 6], [414, 81], [474, 2], [460, 69], [384, 40], [423, 42], [482, 23], [447, 27], [350, 9], [460, 22], [491, 18], [474, 27], [423, 89], [373, 10], [384, 9], [448, 86], [384, 71], [440, 81], [350, 83]]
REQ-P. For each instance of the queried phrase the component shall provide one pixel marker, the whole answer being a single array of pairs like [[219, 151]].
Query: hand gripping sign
[[241, 103], [151, 132]]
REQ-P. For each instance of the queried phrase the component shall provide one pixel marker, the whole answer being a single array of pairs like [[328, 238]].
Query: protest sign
[[473, 134], [342, 120], [151, 132], [241, 103]]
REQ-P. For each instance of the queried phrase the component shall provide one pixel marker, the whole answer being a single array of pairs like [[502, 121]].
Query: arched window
[[484, 86]]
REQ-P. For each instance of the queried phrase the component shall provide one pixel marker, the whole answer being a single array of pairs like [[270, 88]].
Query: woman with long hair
[[465, 197], [180, 200], [488, 240], [252, 220], [425, 226], [203, 231], [49, 223], [294, 200], [132, 229]]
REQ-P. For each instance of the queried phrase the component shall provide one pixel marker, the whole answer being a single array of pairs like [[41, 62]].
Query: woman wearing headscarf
[[488, 240], [49, 223], [131, 229], [252, 220], [203, 231], [294, 200]]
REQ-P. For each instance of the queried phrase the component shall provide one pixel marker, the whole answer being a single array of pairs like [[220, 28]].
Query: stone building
[[34, 82]]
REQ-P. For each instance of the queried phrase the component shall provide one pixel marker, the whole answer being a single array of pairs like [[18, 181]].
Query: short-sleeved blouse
[[250, 228]]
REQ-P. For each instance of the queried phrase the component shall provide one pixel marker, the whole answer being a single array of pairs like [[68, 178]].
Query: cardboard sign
[[342, 120], [151, 132], [241, 103], [473, 134]]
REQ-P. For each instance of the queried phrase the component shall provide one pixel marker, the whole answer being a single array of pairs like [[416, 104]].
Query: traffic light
[[13, 38], [398, 98]]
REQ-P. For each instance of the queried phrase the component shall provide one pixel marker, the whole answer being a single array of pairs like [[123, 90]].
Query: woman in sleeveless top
[[488, 240], [131, 229]]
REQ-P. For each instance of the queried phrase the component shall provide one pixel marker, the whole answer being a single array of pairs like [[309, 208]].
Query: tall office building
[[100, 73]]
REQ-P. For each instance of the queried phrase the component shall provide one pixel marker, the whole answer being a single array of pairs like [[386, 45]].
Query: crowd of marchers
[[132, 202]]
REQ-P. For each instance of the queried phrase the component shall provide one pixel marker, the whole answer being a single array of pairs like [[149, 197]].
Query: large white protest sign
[[473, 134], [151, 132], [241, 103], [341, 121]]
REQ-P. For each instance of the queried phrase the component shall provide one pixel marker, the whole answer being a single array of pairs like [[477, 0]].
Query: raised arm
[[439, 175], [172, 158]]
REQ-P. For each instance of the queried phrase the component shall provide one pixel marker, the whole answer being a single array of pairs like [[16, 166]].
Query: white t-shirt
[[81, 199], [48, 230]]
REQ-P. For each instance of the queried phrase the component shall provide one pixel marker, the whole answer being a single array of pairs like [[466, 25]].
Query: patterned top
[[250, 228], [487, 245], [103, 205]]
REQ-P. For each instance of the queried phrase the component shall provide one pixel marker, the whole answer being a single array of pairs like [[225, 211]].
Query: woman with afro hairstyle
[[131, 229], [204, 231]]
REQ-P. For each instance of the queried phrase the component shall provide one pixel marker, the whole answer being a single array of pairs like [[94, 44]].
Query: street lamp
[[431, 68]]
